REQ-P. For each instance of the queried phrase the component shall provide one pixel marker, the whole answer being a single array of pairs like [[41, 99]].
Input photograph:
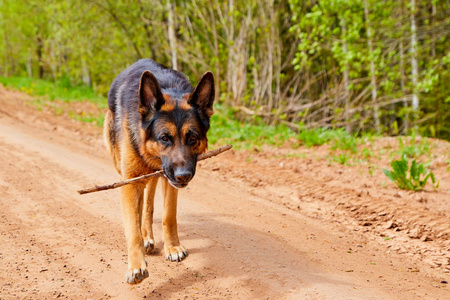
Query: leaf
[[388, 174], [400, 171], [414, 171], [409, 185], [424, 181], [400, 166]]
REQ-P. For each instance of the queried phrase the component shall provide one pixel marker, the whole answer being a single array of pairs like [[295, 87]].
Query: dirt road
[[244, 240]]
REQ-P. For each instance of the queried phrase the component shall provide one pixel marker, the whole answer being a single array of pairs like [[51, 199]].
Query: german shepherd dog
[[156, 120]]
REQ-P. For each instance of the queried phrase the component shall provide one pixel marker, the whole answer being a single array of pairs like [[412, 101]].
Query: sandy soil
[[257, 224]]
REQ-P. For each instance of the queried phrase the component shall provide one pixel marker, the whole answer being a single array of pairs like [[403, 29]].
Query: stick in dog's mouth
[[97, 188]]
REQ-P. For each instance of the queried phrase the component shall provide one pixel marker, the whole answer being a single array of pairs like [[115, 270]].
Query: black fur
[[123, 101], [170, 81]]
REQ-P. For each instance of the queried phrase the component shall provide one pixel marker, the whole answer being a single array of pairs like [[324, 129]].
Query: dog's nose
[[183, 175]]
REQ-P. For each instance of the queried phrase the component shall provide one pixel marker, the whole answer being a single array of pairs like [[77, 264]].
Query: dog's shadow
[[224, 257]]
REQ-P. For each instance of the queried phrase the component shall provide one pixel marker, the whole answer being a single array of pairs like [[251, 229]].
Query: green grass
[[225, 129], [59, 90], [413, 148], [345, 141], [367, 153], [341, 158], [317, 137], [88, 118]]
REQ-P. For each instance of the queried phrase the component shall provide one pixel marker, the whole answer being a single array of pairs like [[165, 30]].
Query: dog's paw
[[175, 253], [136, 275], [149, 245]]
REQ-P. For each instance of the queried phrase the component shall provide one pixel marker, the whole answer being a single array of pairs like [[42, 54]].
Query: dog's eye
[[192, 140], [165, 138]]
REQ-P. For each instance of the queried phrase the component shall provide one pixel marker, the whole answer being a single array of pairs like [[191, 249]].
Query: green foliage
[[367, 153], [345, 141], [225, 129], [340, 138], [337, 37], [399, 175], [342, 158], [371, 170], [275, 58], [413, 148], [317, 136], [97, 120]]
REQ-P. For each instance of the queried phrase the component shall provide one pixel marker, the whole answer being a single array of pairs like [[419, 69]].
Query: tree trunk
[[172, 38], [230, 39], [85, 73], [270, 46], [40, 46], [402, 73], [433, 21], [414, 64], [373, 79], [216, 50], [29, 65], [346, 78], [402, 85]]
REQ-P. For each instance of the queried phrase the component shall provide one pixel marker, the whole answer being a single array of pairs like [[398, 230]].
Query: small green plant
[[372, 169], [342, 158], [367, 153], [399, 174]]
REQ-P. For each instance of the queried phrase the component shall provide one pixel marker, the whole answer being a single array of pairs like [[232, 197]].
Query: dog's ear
[[203, 96], [150, 97]]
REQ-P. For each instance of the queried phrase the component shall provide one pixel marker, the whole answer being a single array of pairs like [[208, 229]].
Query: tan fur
[[172, 247], [201, 145], [169, 103], [108, 130], [152, 143], [137, 203], [184, 104], [147, 215]]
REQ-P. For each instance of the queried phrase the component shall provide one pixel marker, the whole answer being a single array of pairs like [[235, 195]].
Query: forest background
[[364, 65]]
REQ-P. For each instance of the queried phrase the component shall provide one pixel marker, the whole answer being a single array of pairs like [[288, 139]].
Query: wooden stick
[[159, 173]]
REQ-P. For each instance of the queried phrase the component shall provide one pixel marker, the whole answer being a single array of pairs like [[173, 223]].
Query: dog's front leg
[[147, 215], [132, 200], [174, 251]]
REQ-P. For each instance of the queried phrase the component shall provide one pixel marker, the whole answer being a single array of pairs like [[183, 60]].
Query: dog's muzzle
[[180, 178]]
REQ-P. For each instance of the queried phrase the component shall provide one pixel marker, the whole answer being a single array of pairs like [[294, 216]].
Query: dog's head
[[175, 129]]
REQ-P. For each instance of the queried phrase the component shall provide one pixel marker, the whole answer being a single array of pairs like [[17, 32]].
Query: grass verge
[[76, 101]]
